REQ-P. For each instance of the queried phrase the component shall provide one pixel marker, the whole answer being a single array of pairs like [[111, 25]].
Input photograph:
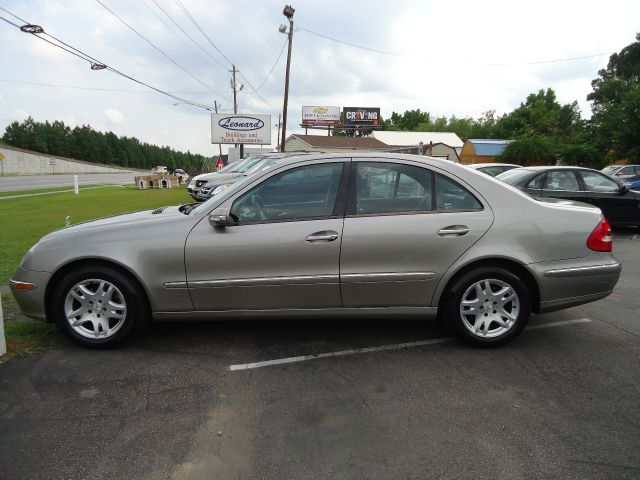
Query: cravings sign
[[246, 128], [361, 116]]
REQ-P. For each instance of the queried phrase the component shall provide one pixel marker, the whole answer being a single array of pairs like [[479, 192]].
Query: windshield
[[233, 167], [244, 165], [514, 176], [608, 170], [261, 165]]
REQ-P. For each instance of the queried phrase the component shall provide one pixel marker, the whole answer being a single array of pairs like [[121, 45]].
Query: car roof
[[491, 164], [557, 167], [294, 157]]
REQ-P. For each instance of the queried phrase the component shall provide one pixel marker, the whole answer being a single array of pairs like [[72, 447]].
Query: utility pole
[[279, 122], [215, 105], [235, 105], [287, 12]]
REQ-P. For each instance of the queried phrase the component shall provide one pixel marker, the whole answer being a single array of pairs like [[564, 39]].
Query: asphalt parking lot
[[337, 399]]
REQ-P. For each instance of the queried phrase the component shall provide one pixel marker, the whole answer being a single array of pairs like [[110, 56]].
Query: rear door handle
[[453, 231], [324, 236]]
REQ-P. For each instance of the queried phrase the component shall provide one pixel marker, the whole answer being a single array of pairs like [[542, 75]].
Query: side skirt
[[379, 312]]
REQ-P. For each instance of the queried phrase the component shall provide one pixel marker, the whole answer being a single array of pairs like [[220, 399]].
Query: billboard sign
[[318, 115], [361, 116], [246, 128]]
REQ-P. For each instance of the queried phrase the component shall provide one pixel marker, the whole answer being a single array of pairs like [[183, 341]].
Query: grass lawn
[[25, 336], [23, 221]]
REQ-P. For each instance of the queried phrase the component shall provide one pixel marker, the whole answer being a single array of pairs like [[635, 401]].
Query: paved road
[[559, 402], [27, 182]]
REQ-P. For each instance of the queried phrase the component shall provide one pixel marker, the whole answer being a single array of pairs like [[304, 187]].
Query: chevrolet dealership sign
[[323, 116], [246, 128]]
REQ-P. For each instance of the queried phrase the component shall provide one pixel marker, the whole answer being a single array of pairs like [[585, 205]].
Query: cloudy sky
[[445, 57]]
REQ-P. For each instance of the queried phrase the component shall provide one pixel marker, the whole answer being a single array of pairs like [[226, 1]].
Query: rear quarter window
[[450, 195]]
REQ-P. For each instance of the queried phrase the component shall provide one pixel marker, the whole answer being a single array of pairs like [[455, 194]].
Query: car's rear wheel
[[98, 307], [488, 306]]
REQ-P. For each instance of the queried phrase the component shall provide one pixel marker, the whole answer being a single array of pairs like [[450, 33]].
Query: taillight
[[601, 239]]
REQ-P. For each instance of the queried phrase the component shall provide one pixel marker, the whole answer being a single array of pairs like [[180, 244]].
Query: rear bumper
[[563, 286]]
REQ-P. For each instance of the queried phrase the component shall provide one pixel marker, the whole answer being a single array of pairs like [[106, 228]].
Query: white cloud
[[439, 42], [114, 116]]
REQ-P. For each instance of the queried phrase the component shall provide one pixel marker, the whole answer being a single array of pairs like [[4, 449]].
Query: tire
[[488, 306], [98, 307]]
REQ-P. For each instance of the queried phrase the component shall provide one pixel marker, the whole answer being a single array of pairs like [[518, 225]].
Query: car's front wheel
[[97, 306], [488, 306]]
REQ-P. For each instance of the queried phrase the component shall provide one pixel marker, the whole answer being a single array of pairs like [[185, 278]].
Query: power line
[[274, 66], [158, 49], [79, 87], [14, 16], [478, 64], [144, 2], [188, 36], [193, 20], [195, 23], [36, 30]]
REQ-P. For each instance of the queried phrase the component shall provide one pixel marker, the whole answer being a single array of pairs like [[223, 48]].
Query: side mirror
[[623, 189], [221, 217]]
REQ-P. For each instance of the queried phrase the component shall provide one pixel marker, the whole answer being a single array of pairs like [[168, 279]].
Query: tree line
[[544, 131], [85, 143]]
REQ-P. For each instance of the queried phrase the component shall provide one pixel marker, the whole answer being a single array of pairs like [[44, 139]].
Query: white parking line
[[397, 346]]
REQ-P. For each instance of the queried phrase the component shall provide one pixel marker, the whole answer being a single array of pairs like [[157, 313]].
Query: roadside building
[[445, 145], [482, 150], [321, 143]]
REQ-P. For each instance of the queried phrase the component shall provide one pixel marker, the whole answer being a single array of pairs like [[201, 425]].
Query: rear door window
[[392, 187]]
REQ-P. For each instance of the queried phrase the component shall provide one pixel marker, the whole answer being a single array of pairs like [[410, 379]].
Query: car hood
[[116, 221], [216, 182], [216, 176]]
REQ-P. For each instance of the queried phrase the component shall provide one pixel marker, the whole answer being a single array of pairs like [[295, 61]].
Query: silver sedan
[[332, 235]]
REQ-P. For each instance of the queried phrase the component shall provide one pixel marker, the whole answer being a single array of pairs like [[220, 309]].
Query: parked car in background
[[218, 185], [632, 182], [620, 206], [315, 235], [492, 169], [229, 171], [159, 169], [181, 175], [620, 172]]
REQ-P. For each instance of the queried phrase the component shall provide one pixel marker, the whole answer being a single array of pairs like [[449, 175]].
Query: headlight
[[192, 183], [221, 188]]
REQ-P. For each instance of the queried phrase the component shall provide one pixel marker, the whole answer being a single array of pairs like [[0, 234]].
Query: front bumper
[[31, 302], [202, 197]]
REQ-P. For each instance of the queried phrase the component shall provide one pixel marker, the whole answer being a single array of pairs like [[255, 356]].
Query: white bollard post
[[76, 187], [3, 343]]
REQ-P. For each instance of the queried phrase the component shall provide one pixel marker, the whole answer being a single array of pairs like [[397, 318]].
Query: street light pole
[[287, 12]]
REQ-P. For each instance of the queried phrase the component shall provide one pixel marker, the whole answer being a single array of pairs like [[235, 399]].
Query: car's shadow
[[625, 232], [285, 337]]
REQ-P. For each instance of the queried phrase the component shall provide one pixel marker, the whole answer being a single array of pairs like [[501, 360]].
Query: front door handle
[[323, 236], [453, 231]]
